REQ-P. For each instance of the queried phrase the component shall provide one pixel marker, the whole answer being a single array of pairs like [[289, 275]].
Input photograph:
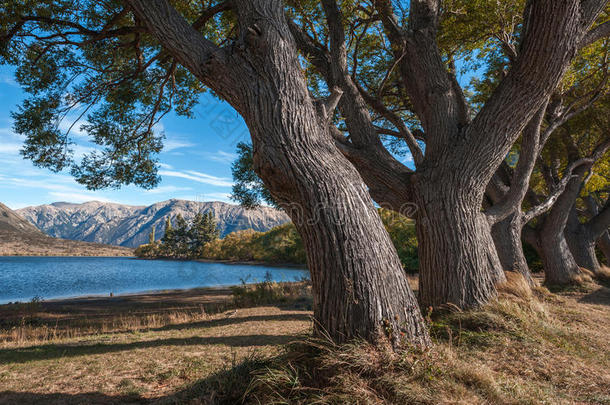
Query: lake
[[23, 278]]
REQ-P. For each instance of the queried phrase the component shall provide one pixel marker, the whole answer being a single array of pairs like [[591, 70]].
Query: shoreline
[[236, 262], [147, 295], [154, 295]]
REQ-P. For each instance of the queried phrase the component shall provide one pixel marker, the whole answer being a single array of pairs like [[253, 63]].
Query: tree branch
[[600, 222], [437, 99], [405, 133], [200, 56], [551, 38], [521, 175], [567, 189], [211, 12], [555, 194]]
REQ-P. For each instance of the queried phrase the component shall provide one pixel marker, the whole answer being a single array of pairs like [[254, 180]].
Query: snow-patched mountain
[[127, 225], [19, 237]]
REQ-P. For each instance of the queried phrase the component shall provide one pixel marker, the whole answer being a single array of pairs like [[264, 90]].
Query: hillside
[[125, 225], [19, 237]]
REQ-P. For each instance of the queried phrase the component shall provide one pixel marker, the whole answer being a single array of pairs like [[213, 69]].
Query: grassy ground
[[203, 346]]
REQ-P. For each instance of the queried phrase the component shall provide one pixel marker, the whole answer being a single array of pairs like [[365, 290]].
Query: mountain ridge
[[130, 225], [18, 237]]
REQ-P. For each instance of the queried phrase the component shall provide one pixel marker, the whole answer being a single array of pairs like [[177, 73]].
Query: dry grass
[[603, 275], [37, 244], [523, 348], [197, 348]]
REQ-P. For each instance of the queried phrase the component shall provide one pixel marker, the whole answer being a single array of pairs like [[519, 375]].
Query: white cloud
[[6, 79], [8, 132], [80, 150], [69, 124], [221, 156], [224, 197], [173, 144], [53, 183], [198, 177], [77, 197], [165, 166], [167, 189], [10, 148]]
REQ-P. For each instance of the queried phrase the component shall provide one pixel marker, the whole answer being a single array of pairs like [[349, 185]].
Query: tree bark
[[560, 268], [582, 237], [360, 289], [458, 260], [581, 244], [507, 239], [604, 245]]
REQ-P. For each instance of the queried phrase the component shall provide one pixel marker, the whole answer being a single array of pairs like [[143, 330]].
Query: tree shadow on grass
[[600, 296], [90, 398], [54, 351], [233, 321]]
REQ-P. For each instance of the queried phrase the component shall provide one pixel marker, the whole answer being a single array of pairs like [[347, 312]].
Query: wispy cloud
[[77, 197], [57, 187], [220, 156], [7, 79], [10, 148], [165, 166], [224, 197], [167, 189], [176, 143], [74, 125], [198, 177]]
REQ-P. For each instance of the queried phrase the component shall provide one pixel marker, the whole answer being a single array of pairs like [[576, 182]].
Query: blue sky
[[195, 163]]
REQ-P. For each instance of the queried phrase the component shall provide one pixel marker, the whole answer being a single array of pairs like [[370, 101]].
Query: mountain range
[[130, 226], [19, 237]]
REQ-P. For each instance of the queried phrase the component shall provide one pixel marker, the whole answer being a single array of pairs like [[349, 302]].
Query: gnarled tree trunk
[[360, 288], [604, 245], [560, 268], [581, 243], [507, 239], [458, 260]]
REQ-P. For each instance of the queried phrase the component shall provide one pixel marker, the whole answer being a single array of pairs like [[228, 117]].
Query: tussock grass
[[603, 275], [528, 346], [269, 292]]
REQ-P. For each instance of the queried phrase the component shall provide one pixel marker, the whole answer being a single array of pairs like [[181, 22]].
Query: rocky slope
[[21, 238], [130, 226]]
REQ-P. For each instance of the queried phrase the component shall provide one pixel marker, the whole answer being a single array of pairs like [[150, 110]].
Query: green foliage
[[92, 60], [184, 240], [283, 244], [268, 292], [202, 231], [248, 189], [403, 235]]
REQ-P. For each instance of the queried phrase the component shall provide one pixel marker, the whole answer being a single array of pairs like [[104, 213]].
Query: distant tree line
[[282, 244], [183, 240]]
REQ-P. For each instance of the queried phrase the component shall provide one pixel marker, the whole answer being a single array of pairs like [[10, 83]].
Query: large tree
[[357, 287], [463, 148], [581, 97], [131, 61]]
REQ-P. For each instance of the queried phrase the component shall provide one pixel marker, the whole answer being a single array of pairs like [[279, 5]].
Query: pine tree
[[181, 238], [203, 230], [151, 237], [168, 247]]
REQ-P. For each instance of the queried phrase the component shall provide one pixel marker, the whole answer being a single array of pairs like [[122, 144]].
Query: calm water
[[22, 278]]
